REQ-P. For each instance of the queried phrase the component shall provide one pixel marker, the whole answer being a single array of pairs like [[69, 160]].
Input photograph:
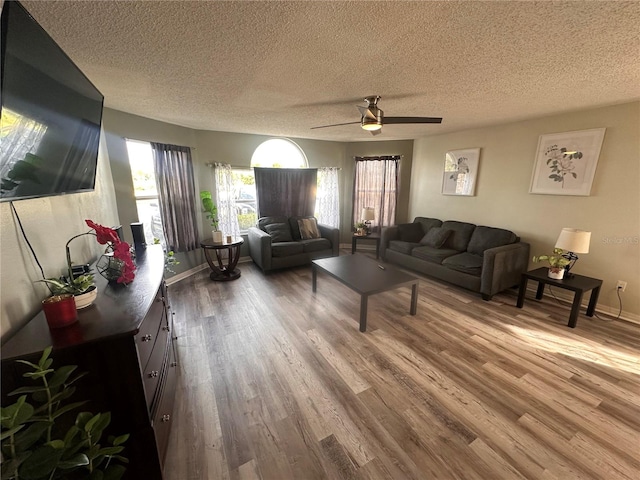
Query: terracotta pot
[[556, 273], [60, 310]]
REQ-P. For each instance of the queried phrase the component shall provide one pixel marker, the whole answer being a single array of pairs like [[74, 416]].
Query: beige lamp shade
[[574, 240], [368, 214]]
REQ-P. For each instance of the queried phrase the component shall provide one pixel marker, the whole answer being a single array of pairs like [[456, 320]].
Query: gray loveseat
[[482, 259], [276, 243]]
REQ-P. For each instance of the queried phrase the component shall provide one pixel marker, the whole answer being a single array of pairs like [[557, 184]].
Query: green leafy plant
[[210, 208], [360, 225], [38, 443], [556, 260], [170, 259], [78, 285]]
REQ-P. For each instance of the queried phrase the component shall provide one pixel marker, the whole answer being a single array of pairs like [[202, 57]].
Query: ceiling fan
[[373, 118]]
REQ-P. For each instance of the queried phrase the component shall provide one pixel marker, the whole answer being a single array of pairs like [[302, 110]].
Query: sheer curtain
[[23, 136], [375, 185], [225, 200], [176, 194], [328, 197], [286, 191]]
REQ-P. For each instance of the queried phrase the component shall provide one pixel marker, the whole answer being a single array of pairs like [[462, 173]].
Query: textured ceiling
[[280, 68]]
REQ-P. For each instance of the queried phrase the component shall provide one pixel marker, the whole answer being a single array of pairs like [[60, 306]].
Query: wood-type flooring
[[278, 383]]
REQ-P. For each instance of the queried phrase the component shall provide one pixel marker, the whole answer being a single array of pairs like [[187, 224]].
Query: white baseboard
[[192, 271]]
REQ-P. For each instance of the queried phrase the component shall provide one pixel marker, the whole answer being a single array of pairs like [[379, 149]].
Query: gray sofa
[[276, 243], [482, 259]]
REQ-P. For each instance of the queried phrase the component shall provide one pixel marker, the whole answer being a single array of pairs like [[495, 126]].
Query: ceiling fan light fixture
[[372, 120], [370, 125]]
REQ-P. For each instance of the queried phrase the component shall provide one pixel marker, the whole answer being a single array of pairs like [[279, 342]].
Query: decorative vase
[[217, 236], [110, 267], [556, 273], [87, 298], [60, 310]]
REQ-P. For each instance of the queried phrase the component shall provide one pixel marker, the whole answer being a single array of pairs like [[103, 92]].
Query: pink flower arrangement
[[108, 236]]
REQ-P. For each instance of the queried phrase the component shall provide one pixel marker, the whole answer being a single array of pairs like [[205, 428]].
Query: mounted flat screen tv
[[50, 117]]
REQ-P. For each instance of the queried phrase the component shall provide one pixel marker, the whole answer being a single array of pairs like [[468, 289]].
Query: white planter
[[556, 273], [217, 236], [85, 299]]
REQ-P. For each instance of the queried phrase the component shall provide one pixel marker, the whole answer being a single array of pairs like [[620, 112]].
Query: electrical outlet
[[621, 286]]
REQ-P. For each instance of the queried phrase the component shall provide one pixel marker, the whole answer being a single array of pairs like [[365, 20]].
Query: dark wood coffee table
[[366, 277]]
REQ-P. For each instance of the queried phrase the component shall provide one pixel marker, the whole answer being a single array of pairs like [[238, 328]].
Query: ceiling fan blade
[[334, 125], [392, 120], [376, 132]]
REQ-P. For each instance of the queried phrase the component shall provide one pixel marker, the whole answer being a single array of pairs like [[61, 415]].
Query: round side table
[[223, 269]]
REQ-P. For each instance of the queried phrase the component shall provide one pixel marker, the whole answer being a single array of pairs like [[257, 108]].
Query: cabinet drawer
[[148, 334], [163, 417], [154, 370]]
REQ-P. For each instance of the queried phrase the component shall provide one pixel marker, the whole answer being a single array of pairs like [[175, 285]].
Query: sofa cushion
[[308, 228], [465, 262], [295, 228], [484, 238], [279, 232], [402, 247], [410, 232], [435, 237], [435, 255], [264, 221], [315, 244], [285, 249], [460, 234], [428, 223]]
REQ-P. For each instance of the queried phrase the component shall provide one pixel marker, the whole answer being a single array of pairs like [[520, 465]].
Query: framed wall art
[[460, 172], [566, 162]]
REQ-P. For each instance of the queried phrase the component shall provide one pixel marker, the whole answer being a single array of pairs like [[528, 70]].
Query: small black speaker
[[137, 229], [118, 230]]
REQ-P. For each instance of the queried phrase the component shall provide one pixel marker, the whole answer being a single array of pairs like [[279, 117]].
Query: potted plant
[[557, 262], [40, 441], [83, 288], [212, 214], [361, 228]]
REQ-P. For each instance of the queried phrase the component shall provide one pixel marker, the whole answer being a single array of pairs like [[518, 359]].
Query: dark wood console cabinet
[[124, 341]]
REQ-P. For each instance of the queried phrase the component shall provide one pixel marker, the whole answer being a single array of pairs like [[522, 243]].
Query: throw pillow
[[279, 232], [410, 232], [308, 228], [435, 237]]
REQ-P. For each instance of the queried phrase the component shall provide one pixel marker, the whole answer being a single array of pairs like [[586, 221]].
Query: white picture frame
[[565, 163], [460, 172]]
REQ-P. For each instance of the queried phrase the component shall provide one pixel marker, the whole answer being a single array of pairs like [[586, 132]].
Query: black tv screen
[[50, 117]]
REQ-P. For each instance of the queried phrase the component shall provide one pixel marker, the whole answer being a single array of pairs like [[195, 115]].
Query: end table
[[225, 270], [578, 284], [371, 236]]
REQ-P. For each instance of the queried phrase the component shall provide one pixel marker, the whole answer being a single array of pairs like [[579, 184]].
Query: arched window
[[279, 153]]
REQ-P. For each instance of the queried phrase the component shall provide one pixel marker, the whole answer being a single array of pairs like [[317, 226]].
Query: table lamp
[[367, 215], [572, 241]]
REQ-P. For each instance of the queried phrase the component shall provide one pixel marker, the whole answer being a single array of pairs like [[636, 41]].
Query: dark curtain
[[176, 193], [375, 185], [286, 191]]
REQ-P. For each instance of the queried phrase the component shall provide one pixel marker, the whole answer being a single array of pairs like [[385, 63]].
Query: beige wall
[[611, 212], [49, 223]]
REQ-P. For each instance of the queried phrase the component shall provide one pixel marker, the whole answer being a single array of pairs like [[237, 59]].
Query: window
[[144, 187], [273, 153], [376, 186]]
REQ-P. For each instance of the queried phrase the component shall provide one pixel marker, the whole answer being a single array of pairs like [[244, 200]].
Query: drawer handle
[[146, 338], [166, 418], [166, 329], [153, 374], [174, 364]]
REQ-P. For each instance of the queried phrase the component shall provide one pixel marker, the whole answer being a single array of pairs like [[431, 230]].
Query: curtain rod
[[150, 141], [211, 165]]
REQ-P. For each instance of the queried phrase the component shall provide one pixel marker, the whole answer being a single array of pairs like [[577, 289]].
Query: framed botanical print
[[566, 162], [460, 172]]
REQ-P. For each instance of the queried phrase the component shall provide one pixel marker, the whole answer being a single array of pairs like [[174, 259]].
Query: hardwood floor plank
[[276, 382]]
